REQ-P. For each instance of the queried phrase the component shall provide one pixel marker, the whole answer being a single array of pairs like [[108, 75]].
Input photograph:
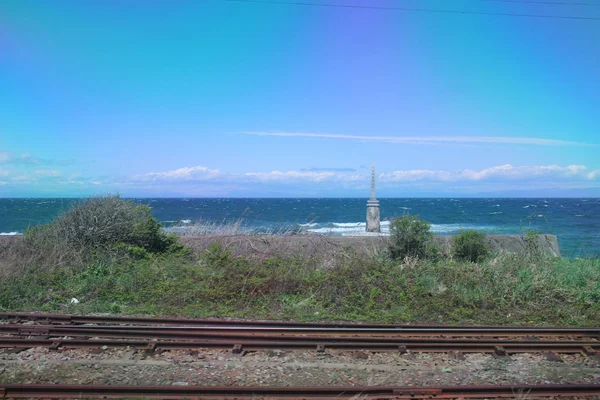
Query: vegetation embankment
[[112, 256]]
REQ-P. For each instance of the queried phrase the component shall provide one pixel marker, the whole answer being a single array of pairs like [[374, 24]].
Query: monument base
[[373, 218]]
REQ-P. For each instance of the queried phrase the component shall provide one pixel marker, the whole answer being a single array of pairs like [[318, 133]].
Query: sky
[[218, 98]]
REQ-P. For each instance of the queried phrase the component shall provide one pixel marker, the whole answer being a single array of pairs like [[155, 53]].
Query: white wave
[[309, 225], [447, 228], [496, 205], [355, 224], [496, 213], [358, 228], [579, 215], [526, 207], [186, 221], [10, 233], [348, 224], [347, 232]]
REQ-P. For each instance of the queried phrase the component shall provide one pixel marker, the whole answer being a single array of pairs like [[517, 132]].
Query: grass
[[507, 289], [141, 270]]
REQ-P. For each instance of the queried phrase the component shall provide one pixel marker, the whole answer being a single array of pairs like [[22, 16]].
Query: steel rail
[[238, 345], [215, 323], [237, 336], [192, 332], [87, 332], [314, 393]]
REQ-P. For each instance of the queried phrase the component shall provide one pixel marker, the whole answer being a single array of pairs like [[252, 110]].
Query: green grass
[[509, 289], [111, 255]]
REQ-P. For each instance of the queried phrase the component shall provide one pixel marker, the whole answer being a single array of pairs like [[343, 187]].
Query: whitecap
[[496, 213], [448, 228], [355, 224], [10, 233], [186, 221], [347, 232], [348, 224]]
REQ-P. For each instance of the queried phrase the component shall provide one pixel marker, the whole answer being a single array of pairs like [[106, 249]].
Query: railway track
[[148, 335], [371, 393], [252, 336]]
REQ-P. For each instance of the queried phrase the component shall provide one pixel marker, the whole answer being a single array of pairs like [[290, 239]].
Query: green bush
[[106, 230], [105, 222], [470, 245], [410, 237]]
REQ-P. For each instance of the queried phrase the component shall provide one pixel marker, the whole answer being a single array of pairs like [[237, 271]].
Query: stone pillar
[[373, 219]]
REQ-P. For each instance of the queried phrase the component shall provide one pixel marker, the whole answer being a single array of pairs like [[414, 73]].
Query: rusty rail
[[237, 345], [210, 332], [196, 331], [313, 393], [277, 325]]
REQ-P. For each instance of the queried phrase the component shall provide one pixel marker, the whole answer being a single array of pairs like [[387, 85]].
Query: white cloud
[[46, 173], [201, 173], [503, 172], [5, 157], [428, 140], [290, 175], [181, 174], [24, 159], [594, 174]]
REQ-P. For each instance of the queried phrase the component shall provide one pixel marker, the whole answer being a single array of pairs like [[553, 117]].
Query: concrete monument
[[373, 220]]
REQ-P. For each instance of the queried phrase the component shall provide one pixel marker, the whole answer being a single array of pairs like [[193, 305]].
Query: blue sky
[[228, 98]]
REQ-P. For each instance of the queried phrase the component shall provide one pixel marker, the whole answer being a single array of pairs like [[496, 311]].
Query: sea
[[576, 222]]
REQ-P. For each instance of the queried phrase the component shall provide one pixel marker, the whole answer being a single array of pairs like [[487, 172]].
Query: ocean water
[[576, 222]]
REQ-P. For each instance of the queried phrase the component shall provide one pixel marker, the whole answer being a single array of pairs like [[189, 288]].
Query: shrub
[[470, 245], [104, 222], [107, 230], [410, 237]]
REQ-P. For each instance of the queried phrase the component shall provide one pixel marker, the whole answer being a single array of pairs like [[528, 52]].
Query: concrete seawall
[[310, 245]]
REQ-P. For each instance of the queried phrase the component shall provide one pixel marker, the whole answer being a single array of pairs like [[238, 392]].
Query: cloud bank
[[17, 177], [501, 172]]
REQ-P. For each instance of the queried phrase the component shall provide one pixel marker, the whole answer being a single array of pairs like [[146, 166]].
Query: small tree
[[410, 236], [470, 245]]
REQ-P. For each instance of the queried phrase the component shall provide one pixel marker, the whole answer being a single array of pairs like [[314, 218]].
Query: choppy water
[[576, 222]]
